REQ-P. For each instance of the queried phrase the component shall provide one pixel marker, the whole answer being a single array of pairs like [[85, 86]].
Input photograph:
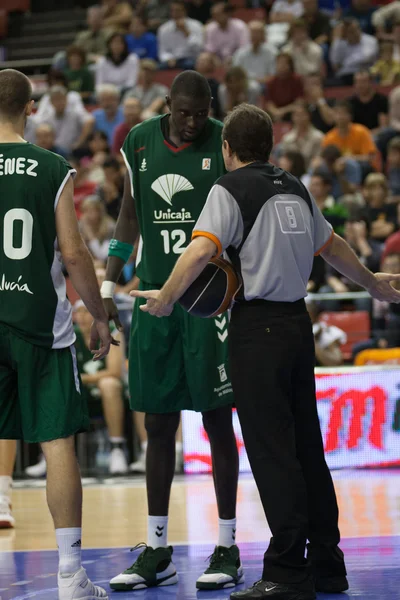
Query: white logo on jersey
[[14, 286], [167, 186], [143, 166], [278, 182], [206, 164], [222, 373]]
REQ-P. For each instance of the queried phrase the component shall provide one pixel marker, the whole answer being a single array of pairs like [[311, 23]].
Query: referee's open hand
[[155, 305], [382, 288]]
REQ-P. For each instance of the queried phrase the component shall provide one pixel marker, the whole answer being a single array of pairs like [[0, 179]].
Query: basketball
[[213, 291]]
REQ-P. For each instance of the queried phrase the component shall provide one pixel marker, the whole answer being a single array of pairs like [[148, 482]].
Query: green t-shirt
[[170, 187], [81, 80], [33, 300]]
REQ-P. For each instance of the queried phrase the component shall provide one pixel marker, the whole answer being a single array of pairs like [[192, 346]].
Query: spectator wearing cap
[[94, 39], [318, 23], [109, 114], [386, 70], [258, 57], [150, 93], [352, 50], [180, 39], [286, 11], [393, 172], [225, 34], [118, 67], [206, 64], [352, 139], [116, 15], [80, 78], [369, 107], [283, 89], [307, 55], [140, 40], [238, 89], [304, 137], [132, 116], [345, 173], [321, 108], [362, 11], [72, 127]]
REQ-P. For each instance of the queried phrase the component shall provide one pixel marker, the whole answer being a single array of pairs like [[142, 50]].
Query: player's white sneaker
[[7, 521], [79, 587], [140, 465], [118, 464], [38, 470]]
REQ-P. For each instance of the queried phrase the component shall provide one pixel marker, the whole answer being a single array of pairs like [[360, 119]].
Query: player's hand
[[382, 288], [100, 335], [155, 305], [112, 312]]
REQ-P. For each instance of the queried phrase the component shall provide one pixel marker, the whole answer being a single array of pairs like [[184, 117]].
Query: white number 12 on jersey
[[170, 236]]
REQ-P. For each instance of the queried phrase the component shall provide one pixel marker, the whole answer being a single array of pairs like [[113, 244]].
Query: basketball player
[[179, 363], [40, 398]]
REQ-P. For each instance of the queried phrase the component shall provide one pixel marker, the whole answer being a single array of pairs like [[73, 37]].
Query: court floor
[[115, 521]]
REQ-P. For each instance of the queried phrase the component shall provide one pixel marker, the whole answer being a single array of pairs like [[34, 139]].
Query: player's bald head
[[190, 84], [15, 94]]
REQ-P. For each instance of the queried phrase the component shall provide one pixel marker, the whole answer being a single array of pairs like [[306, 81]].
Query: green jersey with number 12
[[33, 300], [170, 187]]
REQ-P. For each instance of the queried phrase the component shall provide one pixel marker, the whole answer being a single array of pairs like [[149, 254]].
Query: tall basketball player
[[179, 363], [40, 398]]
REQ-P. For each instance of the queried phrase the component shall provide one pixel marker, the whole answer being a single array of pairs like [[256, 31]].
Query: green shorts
[[40, 396], [178, 362]]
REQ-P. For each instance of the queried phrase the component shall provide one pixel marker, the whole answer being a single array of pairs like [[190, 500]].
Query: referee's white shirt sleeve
[[220, 220], [323, 231]]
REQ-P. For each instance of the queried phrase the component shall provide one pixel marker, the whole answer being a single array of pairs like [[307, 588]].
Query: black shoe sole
[[334, 585], [283, 595]]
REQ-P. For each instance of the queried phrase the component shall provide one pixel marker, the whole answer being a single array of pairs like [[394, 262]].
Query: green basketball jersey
[[170, 187], [33, 300]]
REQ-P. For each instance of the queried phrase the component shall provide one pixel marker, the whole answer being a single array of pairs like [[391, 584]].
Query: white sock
[[227, 532], [69, 550], [5, 486], [178, 447], [143, 447], [157, 532], [116, 440]]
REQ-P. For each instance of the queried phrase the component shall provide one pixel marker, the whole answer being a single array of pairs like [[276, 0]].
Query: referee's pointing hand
[[155, 305], [382, 288]]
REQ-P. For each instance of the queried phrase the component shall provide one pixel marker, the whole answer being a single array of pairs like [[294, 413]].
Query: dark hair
[[364, 72], [288, 58], [15, 93], [98, 134], [298, 162], [346, 105], [235, 73], [77, 50], [331, 153], [322, 174], [181, 3], [54, 75], [112, 163], [142, 17], [249, 133], [125, 52], [225, 5], [191, 85]]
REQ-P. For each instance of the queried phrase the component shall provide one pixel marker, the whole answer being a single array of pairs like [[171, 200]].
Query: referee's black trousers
[[272, 362]]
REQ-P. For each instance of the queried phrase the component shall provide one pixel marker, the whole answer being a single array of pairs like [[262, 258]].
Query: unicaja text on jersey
[[14, 286]]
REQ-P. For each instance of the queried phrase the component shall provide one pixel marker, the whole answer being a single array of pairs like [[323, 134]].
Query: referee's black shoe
[[263, 590]]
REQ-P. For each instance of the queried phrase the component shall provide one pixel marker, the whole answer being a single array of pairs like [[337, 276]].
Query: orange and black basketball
[[213, 291]]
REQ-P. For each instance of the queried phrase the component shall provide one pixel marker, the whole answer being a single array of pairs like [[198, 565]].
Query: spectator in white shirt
[[304, 137], [285, 11], [118, 67], [225, 35], [352, 50], [180, 39], [71, 126], [258, 58], [307, 55]]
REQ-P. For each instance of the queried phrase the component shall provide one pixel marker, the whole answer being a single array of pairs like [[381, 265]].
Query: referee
[[271, 228]]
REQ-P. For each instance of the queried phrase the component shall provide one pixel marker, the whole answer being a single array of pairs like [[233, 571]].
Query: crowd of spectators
[[287, 60]]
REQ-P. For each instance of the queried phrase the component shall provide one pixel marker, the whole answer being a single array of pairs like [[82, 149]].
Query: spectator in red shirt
[[392, 245], [132, 111], [283, 89]]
